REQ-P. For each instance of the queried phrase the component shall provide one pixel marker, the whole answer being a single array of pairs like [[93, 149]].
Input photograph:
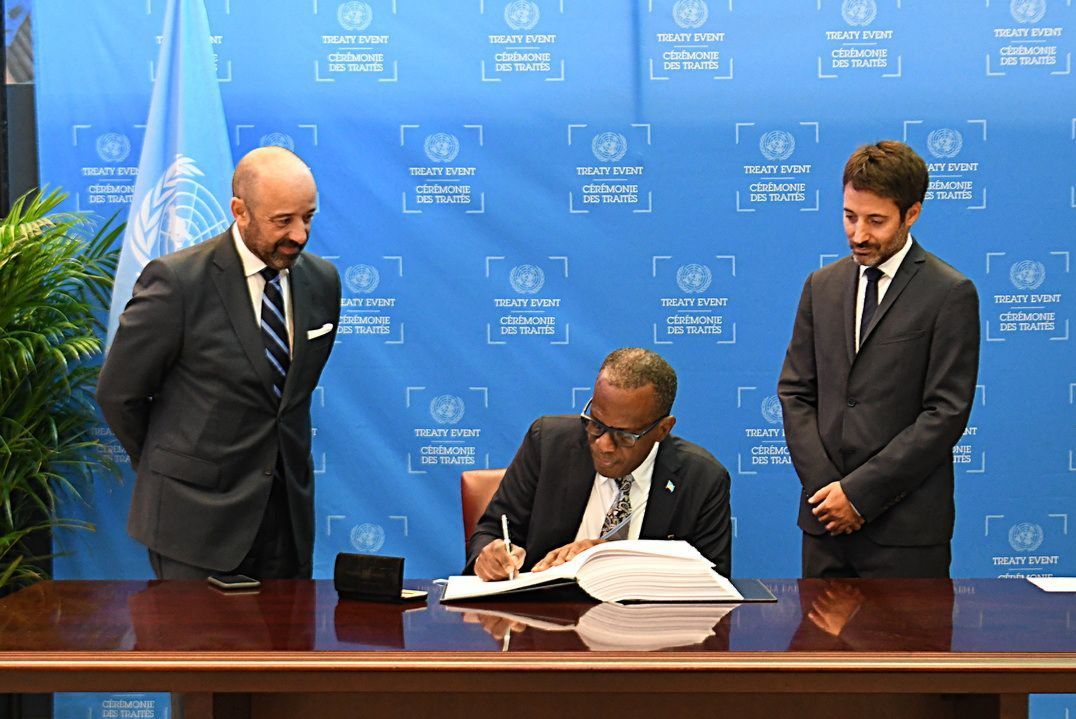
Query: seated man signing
[[613, 472]]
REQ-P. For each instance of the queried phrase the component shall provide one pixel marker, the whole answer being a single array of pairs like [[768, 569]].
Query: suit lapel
[[908, 269], [232, 287], [848, 301], [578, 482], [661, 502], [300, 311]]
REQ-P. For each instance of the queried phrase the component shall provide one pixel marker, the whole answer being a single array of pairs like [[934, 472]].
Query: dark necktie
[[616, 519], [275, 330], [870, 300]]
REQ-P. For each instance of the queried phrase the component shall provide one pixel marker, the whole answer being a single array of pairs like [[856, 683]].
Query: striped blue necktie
[[275, 330]]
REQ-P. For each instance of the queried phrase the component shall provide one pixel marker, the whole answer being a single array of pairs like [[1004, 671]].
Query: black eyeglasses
[[620, 437]]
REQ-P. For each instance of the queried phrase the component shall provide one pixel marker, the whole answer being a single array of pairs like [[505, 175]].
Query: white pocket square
[[323, 330]]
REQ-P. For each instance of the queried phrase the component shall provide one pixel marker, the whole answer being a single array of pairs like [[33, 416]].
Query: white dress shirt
[[252, 267], [889, 269], [603, 494]]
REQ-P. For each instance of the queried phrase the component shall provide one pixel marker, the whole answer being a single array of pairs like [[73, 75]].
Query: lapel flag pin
[[670, 487]]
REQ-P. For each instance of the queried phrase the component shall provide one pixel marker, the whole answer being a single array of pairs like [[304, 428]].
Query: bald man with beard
[[207, 384]]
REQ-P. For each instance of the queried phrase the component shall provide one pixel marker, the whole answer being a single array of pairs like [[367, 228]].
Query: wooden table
[[827, 648]]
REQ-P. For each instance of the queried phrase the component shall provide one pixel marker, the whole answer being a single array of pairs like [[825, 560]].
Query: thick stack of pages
[[637, 570]]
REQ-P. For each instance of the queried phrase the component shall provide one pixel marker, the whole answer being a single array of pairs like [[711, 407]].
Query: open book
[[632, 570], [635, 627]]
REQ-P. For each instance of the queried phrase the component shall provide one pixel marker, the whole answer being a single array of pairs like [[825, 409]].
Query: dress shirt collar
[[252, 264], [641, 474], [889, 267]]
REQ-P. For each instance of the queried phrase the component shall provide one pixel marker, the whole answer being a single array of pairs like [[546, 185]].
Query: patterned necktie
[[870, 300], [275, 330], [616, 517]]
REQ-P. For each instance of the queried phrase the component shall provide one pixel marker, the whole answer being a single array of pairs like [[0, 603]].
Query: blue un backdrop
[[512, 189]]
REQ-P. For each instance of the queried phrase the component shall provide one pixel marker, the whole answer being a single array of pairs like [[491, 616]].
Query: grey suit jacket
[[186, 387], [884, 421], [546, 488]]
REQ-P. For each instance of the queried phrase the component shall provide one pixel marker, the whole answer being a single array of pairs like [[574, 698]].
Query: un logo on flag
[[771, 409], [366, 537], [690, 14], [362, 279], [113, 147], [446, 409], [1025, 537], [858, 13], [777, 145], [609, 146], [1027, 11], [945, 143], [177, 212], [441, 147], [1027, 274], [521, 15], [694, 279], [278, 139], [355, 15]]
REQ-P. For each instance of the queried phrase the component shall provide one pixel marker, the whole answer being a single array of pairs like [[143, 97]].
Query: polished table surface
[[983, 640]]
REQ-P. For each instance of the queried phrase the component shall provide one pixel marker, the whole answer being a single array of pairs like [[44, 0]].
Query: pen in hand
[[507, 544]]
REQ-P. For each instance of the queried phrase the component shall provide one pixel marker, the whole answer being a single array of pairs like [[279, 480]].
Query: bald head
[[266, 164], [273, 200]]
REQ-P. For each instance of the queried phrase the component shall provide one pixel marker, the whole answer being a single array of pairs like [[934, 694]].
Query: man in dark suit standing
[[207, 384], [878, 382], [613, 472]]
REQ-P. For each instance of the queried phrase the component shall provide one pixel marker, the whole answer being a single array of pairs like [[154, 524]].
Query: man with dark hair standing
[[612, 472], [878, 382], [207, 384]]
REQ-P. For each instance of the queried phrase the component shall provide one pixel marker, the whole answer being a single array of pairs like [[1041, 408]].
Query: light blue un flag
[[184, 175]]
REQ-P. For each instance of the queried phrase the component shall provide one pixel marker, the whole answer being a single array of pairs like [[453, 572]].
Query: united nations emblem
[[694, 279], [278, 139], [113, 147], [858, 13], [446, 409], [441, 147], [526, 279], [771, 409], [354, 15], [690, 14], [177, 212], [1027, 274], [367, 537], [777, 145], [1025, 537], [521, 14], [362, 279], [945, 142], [1027, 11], [609, 146]]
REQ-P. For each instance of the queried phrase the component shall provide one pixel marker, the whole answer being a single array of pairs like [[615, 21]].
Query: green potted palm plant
[[55, 277]]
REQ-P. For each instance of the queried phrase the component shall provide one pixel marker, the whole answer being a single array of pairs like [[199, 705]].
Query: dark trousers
[[857, 555], [272, 556]]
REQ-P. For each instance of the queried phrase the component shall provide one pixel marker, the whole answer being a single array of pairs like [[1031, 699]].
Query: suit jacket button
[[851, 402], [268, 473]]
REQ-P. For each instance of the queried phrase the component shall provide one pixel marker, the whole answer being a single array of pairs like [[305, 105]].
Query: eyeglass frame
[[614, 432]]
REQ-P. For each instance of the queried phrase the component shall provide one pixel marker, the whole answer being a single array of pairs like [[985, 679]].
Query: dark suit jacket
[[186, 387], [883, 421], [546, 488]]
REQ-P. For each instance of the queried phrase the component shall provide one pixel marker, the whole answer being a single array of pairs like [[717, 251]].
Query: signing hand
[[565, 553], [832, 508], [495, 563]]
